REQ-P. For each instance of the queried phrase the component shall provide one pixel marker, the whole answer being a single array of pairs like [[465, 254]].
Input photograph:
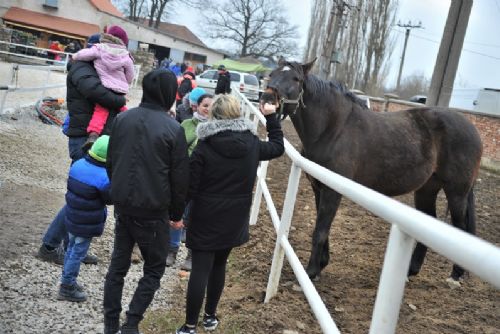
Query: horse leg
[[462, 217], [425, 201], [328, 204]]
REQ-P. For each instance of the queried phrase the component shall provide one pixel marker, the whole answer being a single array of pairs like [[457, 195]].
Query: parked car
[[418, 99], [246, 83]]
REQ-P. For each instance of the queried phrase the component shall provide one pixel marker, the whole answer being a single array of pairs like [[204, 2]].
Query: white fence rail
[[12, 84], [408, 225], [35, 53]]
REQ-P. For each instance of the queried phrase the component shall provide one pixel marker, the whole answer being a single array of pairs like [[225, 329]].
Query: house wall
[[81, 10]]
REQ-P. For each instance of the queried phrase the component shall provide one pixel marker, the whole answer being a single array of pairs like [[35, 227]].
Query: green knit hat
[[99, 150]]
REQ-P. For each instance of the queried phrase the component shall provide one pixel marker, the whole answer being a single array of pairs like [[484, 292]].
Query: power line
[[437, 42]]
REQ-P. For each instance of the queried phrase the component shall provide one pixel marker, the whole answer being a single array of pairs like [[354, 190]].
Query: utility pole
[[408, 26], [448, 56], [334, 25]]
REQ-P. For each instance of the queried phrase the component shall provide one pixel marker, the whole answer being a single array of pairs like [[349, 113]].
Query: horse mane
[[322, 87]]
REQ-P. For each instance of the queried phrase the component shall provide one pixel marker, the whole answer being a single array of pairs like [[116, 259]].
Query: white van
[[244, 82]]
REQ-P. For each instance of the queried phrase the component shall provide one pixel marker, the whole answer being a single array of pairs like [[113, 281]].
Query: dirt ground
[[347, 285]]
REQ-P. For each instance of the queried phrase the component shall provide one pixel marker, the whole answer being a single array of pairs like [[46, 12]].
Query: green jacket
[[189, 126]]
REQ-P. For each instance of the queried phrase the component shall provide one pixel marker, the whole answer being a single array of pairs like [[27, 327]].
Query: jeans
[[152, 237], [56, 232], [75, 148], [76, 252], [175, 235]]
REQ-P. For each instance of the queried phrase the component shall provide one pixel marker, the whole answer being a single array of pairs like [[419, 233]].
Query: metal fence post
[[4, 95], [286, 219], [392, 282]]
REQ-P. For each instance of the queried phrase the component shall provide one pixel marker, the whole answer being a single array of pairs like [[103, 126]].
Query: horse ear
[[308, 66], [281, 61]]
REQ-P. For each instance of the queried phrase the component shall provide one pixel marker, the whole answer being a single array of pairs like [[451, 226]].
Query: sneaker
[[90, 259], [186, 330], [188, 264], [171, 258], [126, 329], [71, 293], [210, 322], [54, 256]]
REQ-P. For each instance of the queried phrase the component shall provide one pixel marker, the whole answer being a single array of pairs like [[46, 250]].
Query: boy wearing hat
[[189, 105], [86, 199]]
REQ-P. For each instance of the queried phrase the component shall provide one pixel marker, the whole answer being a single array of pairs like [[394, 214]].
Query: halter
[[299, 101]]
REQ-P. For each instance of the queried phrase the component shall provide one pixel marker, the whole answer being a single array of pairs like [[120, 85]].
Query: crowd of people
[[164, 170]]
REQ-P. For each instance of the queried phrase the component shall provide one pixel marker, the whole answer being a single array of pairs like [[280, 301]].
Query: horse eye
[[296, 79]]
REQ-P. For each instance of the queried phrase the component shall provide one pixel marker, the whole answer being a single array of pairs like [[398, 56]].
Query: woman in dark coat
[[223, 170]]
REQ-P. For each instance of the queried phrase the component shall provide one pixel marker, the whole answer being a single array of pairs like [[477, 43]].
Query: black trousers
[[208, 273], [152, 237]]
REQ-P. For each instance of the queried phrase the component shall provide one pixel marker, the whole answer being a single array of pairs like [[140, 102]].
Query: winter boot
[[90, 141], [71, 293], [55, 255], [187, 265], [171, 258], [111, 326], [129, 329]]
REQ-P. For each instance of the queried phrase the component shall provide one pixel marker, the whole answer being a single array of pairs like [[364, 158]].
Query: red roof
[[106, 6], [50, 23], [176, 31]]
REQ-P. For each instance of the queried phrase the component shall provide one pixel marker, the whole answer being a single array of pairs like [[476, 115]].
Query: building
[[67, 20]]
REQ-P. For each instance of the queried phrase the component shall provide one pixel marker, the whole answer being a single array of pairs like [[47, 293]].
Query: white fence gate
[[408, 226]]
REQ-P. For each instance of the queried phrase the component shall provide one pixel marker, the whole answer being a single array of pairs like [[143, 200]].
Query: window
[[51, 4], [208, 75], [235, 76], [251, 80]]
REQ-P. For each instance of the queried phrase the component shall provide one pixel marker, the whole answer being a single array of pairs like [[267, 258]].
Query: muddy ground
[[30, 196]]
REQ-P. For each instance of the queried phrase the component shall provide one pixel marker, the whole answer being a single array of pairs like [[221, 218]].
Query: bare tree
[[362, 40], [154, 10], [256, 27], [415, 84]]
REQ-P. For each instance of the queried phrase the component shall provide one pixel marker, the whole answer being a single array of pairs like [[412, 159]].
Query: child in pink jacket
[[115, 68]]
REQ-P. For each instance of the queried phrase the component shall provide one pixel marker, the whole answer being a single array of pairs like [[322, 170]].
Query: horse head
[[287, 86]]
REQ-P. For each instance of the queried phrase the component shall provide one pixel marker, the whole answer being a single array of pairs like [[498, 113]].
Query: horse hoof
[[453, 283]]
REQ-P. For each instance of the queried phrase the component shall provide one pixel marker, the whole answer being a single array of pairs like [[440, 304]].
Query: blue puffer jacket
[[86, 198]]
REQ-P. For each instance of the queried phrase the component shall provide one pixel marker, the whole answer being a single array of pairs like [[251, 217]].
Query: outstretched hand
[[267, 108], [177, 225]]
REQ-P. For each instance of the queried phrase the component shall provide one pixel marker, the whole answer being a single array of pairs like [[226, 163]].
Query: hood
[[159, 87], [114, 56], [229, 138]]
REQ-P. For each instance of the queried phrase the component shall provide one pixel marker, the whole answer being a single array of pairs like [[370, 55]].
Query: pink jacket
[[112, 63]]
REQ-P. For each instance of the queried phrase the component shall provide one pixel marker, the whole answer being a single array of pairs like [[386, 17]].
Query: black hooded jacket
[[223, 170], [223, 83], [147, 159], [84, 90]]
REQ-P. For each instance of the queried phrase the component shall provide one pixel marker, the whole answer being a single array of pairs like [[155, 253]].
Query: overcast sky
[[480, 60]]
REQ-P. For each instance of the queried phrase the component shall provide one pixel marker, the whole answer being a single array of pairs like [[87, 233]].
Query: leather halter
[[298, 101]]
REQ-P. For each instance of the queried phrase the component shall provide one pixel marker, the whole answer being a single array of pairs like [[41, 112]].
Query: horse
[[420, 150]]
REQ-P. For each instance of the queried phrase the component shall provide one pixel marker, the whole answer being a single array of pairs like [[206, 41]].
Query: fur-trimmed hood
[[213, 127], [231, 138]]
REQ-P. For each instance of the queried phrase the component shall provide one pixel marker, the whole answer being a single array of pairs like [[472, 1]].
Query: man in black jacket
[[223, 81], [84, 90], [148, 167]]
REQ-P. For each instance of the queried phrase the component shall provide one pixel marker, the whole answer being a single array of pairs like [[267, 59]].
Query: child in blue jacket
[[86, 199]]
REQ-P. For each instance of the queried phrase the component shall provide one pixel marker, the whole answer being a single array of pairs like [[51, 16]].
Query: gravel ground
[[33, 170]]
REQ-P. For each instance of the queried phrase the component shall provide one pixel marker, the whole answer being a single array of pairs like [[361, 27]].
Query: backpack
[[185, 87]]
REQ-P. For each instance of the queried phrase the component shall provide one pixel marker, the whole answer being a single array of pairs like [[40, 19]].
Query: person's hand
[[176, 225], [267, 108]]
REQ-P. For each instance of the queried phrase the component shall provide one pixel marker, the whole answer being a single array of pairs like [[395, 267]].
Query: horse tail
[[470, 214]]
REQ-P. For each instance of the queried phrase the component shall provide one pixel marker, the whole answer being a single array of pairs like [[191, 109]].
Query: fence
[[408, 226], [13, 86], [35, 54]]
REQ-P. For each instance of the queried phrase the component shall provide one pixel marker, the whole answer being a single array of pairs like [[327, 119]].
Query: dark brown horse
[[421, 150]]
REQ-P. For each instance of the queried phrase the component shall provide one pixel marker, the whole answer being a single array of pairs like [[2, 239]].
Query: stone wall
[[146, 60], [487, 125]]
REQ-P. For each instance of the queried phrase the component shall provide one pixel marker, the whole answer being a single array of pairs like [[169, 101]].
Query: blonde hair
[[225, 107]]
